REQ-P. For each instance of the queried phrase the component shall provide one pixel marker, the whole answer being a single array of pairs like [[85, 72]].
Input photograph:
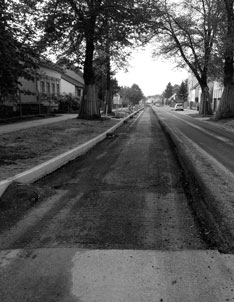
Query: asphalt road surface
[[118, 228], [216, 141]]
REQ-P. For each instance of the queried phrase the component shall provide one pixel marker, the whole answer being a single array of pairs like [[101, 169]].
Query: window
[[47, 87], [58, 89], [42, 87], [78, 92], [53, 88]]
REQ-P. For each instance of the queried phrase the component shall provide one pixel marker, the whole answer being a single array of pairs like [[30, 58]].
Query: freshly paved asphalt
[[216, 141]]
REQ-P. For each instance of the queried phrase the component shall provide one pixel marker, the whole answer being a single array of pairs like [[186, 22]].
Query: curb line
[[209, 207], [53, 164]]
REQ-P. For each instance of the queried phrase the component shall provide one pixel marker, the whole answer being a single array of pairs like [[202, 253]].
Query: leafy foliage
[[183, 91], [18, 56], [189, 32], [131, 95], [168, 92]]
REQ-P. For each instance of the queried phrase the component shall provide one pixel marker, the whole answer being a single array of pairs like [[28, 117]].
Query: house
[[194, 93], [217, 94], [72, 82], [43, 94]]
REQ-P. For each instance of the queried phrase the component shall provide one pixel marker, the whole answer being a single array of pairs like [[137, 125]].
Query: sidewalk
[[34, 123]]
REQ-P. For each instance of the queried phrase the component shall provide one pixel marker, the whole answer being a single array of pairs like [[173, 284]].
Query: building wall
[[49, 82], [193, 92], [28, 86], [67, 87], [45, 91], [217, 94]]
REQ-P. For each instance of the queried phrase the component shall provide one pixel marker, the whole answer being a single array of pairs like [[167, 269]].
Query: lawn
[[24, 149]]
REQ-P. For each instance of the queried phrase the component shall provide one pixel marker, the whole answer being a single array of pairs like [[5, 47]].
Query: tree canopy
[[79, 29], [131, 95], [188, 33], [168, 92], [17, 48]]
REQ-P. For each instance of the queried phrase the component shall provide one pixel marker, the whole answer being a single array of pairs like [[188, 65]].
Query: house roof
[[172, 96], [50, 65], [73, 77]]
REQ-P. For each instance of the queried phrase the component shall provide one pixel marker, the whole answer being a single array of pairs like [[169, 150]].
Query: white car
[[179, 106]]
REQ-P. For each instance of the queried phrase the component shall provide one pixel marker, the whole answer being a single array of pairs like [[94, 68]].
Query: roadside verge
[[50, 166], [215, 204]]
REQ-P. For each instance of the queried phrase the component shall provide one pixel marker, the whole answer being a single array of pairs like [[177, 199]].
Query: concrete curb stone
[[53, 164]]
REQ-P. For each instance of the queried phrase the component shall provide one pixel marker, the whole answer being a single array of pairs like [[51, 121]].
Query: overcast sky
[[151, 75]]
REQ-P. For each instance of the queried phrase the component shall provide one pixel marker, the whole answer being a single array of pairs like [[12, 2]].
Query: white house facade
[[194, 93], [43, 94]]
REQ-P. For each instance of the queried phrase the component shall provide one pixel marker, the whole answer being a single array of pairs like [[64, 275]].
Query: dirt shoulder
[[24, 149]]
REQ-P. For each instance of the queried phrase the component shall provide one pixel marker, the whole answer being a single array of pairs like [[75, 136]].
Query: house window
[[53, 88], [42, 86], [47, 87], [78, 92], [58, 89]]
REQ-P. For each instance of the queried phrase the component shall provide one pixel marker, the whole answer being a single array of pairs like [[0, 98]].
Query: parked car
[[179, 106]]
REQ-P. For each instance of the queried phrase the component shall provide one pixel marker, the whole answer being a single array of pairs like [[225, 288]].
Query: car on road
[[179, 106]]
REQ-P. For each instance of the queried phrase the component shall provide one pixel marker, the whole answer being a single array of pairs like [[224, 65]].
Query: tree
[[17, 48], [131, 95], [77, 27], [105, 80], [183, 91], [168, 92], [188, 33], [226, 106]]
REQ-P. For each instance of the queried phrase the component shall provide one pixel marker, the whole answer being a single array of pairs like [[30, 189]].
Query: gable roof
[[73, 77]]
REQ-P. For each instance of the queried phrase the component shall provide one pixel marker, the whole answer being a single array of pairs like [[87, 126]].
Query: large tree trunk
[[108, 87], [205, 106], [226, 105], [90, 108]]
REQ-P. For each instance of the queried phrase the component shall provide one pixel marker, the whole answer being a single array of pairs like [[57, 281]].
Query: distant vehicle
[[179, 106]]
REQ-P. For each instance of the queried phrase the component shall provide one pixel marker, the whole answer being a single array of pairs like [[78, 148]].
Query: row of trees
[[83, 31], [199, 33]]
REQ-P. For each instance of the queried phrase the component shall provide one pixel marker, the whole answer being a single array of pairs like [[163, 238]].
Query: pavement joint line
[[57, 162]]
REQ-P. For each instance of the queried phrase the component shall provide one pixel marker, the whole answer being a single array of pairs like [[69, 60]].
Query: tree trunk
[[90, 108], [226, 105], [205, 107], [108, 87]]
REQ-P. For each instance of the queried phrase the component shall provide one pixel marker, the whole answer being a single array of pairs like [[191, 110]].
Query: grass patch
[[24, 149]]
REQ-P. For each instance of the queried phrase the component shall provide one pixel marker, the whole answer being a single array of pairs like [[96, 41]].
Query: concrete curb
[[215, 207], [53, 164]]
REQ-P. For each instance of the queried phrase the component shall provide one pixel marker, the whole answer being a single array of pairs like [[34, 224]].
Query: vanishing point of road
[[118, 227]]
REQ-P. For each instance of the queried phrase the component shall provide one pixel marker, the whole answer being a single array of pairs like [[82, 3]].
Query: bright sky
[[151, 75]]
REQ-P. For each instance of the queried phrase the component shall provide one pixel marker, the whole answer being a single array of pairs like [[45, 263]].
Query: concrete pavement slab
[[115, 275]]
